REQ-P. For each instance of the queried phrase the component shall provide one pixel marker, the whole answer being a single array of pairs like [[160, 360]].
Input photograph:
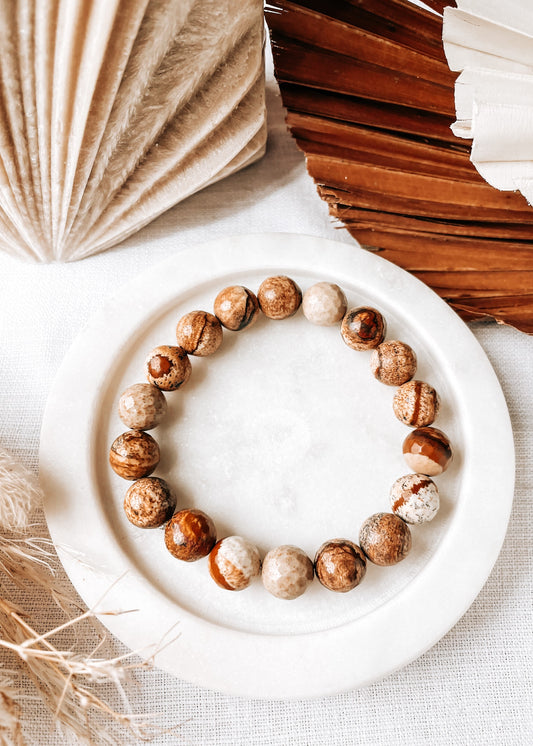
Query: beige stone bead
[[234, 562], [415, 498], [363, 328], [279, 297], [287, 571], [199, 333], [134, 454], [149, 503], [142, 406], [393, 363], [385, 539], [236, 307], [416, 403], [168, 367], [324, 304]]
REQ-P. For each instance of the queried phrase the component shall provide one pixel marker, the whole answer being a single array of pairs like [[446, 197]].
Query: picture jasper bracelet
[[339, 564]]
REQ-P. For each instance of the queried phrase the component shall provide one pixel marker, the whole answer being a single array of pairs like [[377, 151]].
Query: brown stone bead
[[340, 565], [142, 406], [385, 539], [236, 307], [199, 333], [134, 454], [279, 297], [190, 535], [149, 502], [416, 403], [427, 451], [234, 563], [393, 363], [168, 368], [363, 328]]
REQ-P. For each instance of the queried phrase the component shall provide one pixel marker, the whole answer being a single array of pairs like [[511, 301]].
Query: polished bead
[[236, 307], [234, 562], [149, 502], [287, 571], [393, 363], [363, 328], [385, 539], [324, 304], [416, 403], [340, 565], [199, 333], [427, 451], [279, 297], [142, 406], [190, 535], [415, 498], [134, 455], [168, 368]]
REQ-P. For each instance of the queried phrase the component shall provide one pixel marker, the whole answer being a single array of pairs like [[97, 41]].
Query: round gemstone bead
[[190, 535], [427, 451], [149, 502], [279, 297], [324, 304], [134, 454], [199, 333], [340, 565], [385, 539], [234, 562], [393, 363], [236, 307], [416, 403], [363, 328], [168, 368], [415, 498], [142, 406], [287, 571]]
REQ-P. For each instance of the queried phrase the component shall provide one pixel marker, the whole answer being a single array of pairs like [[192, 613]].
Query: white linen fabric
[[473, 687]]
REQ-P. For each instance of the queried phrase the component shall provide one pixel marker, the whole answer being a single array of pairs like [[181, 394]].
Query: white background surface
[[474, 686]]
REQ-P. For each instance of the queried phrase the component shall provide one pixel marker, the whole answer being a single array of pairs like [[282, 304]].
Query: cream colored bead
[[324, 304], [287, 571], [415, 498]]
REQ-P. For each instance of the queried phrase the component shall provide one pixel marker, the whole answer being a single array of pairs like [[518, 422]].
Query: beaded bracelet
[[339, 564]]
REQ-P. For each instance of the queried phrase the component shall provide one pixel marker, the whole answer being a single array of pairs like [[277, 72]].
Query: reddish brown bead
[[236, 307], [427, 451], [363, 328], [134, 454], [149, 502], [199, 333], [279, 297], [340, 565], [393, 363], [233, 563], [416, 403], [190, 535], [385, 539], [168, 368]]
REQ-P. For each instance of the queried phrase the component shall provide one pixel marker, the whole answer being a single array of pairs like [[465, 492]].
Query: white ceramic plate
[[283, 436]]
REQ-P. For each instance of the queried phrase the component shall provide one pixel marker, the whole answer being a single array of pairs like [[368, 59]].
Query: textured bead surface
[[149, 502], [279, 297], [134, 454], [415, 498], [324, 304], [363, 328], [393, 363], [416, 403], [190, 535], [236, 307], [287, 571], [199, 333], [427, 451], [385, 539], [142, 406], [168, 367], [340, 565], [234, 562]]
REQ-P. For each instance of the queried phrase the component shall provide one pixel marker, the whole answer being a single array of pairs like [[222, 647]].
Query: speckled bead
[[385, 539], [287, 571], [134, 455], [427, 451], [236, 307], [168, 368], [393, 363], [142, 406], [199, 333], [190, 535], [340, 565], [415, 498], [324, 304], [149, 503], [234, 563], [363, 328], [416, 403], [279, 297]]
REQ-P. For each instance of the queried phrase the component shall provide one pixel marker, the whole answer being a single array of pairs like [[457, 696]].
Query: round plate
[[284, 437]]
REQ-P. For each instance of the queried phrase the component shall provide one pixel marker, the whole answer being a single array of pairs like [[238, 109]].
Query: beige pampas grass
[[20, 493]]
